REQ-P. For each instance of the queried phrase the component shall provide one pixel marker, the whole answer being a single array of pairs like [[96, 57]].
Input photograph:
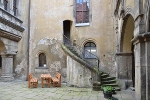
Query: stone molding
[[128, 11], [123, 54], [11, 24], [141, 38], [10, 36], [117, 6]]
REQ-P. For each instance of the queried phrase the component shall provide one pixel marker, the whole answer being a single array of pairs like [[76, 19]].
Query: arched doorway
[[125, 57], [66, 30]]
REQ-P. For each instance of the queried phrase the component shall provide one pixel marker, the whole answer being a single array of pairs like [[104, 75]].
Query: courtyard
[[18, 90]]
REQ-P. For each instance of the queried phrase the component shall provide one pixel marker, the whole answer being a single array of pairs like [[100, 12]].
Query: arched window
[[90, 50], [42, 60]]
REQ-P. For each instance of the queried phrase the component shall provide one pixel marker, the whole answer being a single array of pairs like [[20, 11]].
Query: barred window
[[42, 60], [5, 4], [89, 50], [15, 7], [82, 11]]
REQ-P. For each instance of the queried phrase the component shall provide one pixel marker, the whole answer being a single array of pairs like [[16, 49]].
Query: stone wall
[[78, 75]]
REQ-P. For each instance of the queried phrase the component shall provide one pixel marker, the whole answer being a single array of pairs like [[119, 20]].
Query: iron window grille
[[91, 48]]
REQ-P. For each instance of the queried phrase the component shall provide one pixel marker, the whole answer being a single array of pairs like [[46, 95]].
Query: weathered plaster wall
[[100, 32], [47, 22], [130, 3], [78, 75], [20, 60]]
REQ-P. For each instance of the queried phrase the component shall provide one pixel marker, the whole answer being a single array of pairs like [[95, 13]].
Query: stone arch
[[88, 40], [129, 11], [122, 31], [126, 68]]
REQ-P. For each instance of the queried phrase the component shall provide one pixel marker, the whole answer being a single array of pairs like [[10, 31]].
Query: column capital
[[7, 54]]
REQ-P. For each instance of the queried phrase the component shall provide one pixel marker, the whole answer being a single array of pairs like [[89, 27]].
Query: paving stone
[[66, 97], [85, 97], [18, 90]]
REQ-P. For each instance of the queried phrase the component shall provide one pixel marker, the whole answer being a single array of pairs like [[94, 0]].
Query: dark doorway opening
[[66, 30], [133, 66], [0, 62]]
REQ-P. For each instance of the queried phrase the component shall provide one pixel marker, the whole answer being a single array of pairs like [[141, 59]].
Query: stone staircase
[[76, 53], [107, 80]]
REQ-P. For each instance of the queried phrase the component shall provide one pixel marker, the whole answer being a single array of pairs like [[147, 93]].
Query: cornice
[[11, 24], [10, 36], [141, 38]]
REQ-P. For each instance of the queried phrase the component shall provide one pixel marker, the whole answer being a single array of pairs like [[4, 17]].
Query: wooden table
[[46, 79]]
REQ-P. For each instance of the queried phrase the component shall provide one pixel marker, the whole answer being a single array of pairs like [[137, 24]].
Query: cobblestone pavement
[[18, 90]]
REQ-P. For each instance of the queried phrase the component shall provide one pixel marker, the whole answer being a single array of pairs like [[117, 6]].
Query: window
[[82, 11], [15, 7], [90, 50], [5, 4], [42, 60]]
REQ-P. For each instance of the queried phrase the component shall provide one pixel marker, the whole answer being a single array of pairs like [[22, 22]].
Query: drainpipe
[[28, 48]]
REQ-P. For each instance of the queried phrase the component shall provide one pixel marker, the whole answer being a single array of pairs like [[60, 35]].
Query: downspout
[[28, 48]]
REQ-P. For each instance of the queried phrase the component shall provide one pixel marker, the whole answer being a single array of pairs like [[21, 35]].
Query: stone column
[[140, 68], [147, 49], [7, 68], [124, 69]]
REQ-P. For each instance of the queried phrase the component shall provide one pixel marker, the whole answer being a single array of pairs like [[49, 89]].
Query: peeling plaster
[[54, 45], [21, 69], [56, 65]]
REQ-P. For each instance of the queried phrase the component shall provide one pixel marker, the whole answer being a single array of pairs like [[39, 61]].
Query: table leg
[[42, 82]]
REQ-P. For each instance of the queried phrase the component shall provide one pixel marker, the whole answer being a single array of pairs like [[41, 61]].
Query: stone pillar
[[140, 68], [7, 68], [124, 69], [147, 47]]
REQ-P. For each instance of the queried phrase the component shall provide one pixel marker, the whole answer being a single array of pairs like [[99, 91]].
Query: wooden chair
[[56, 81], [32, 81]]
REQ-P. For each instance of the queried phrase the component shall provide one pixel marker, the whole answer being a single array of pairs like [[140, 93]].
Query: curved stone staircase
[[105, 79]]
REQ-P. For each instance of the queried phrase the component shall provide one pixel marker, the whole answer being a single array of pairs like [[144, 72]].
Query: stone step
[[108, 78], [113, 85], [117, 88], [108, 81], [103, 75]]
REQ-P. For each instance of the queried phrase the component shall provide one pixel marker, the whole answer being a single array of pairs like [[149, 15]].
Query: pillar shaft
[[7, 68]]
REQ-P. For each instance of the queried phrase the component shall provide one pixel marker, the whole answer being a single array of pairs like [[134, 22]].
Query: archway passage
[[125, 58], [127, 47]]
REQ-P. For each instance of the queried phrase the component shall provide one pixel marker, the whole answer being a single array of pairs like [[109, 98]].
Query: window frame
[[15, 8], [42, 60], [82, 10], [6, 5], [90, 48]]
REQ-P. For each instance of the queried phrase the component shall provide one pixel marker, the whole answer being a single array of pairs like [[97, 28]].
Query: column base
[[6, 78]]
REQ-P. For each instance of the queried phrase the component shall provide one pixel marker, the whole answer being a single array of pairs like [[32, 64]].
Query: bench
[[56, 81], [32, 81]]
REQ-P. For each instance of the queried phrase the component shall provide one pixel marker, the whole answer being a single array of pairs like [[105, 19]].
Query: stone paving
[[18, 90]]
